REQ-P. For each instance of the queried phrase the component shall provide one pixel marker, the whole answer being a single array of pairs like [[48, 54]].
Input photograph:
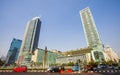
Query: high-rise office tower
[[13, 52], [30, 40], [91, 33]]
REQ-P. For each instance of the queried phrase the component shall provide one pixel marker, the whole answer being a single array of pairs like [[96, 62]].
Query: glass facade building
[[91, 34], [83, 55], [49, 59], [13, 52], [30, 40], [90, 30], [72, 58]]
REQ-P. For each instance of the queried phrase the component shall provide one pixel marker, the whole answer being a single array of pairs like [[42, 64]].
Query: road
[[46, 73]]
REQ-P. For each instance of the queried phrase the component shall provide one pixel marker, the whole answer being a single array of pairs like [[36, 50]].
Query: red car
[[20, 69], [88, 67]]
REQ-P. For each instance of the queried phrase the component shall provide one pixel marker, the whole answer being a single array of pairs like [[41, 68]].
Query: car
[[76, 68], [110, 66], [53, 69], [21, 68], [102, 66], [88, 67], [95, 68], [115, 66]]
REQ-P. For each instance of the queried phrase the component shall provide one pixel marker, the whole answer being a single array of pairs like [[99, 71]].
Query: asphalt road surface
[[46, 73]]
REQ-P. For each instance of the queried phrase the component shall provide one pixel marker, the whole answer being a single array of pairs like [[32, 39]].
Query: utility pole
[[44, 57]]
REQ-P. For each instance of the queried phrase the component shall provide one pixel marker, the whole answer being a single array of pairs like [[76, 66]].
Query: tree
[[93, 63], [1, 62], [119, 60], [109, 62], [79, 61], [70, 64]]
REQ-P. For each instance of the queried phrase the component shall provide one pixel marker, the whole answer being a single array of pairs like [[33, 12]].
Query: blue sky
[[61, 24]]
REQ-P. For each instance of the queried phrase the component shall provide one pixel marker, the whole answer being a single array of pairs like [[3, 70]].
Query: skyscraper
[[13, 52], [30, 40], [91, 34]]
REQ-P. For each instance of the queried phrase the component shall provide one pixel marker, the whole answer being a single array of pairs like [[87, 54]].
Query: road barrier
[[67, 71], [108, 71]]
